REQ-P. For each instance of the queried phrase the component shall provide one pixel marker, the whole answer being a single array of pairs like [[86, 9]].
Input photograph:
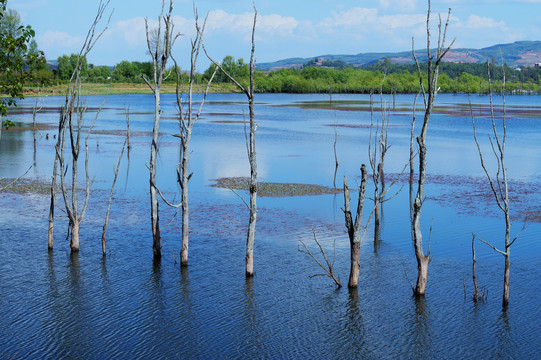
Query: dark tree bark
[[354, 227], [474, 276], [53, 189]]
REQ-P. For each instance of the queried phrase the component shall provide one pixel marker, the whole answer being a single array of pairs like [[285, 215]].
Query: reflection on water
[[57, 305]]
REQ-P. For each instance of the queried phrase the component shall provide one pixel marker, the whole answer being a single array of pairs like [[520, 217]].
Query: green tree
[[17, 55], [67, 64], [127, 71]]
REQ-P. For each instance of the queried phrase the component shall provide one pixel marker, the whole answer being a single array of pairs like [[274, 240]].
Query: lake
[[58, 305]]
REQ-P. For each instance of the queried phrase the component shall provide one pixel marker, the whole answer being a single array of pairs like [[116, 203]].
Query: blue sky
[[286, 28]]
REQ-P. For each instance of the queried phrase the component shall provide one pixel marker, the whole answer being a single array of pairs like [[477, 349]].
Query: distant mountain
[[520, 53]]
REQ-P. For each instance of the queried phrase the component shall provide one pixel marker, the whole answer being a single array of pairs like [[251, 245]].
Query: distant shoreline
[[121, 89]]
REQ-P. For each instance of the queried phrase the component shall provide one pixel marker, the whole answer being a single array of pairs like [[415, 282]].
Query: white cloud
[[59, 39], [354, 17], [408, 5], [477, 22], [131, 30], [273, 24], [368, 20], [403, 20]]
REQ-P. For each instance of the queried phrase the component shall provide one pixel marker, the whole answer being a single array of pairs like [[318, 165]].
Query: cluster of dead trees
[[160, 42], [377, 149]]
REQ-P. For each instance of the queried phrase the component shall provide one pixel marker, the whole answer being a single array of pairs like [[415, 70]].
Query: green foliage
[[237, 69], [453, 78], [67, 64], [19, 57]]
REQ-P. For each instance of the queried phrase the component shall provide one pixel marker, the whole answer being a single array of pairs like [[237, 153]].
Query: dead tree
[[429, 96], [335, 153], [376, 156], [327, 267], [378, 146], [54, 182], [106, 223], [187, 120], [70, 128], [250, 145], [498, 182], [354, 226], [35, 109], [160, 51]]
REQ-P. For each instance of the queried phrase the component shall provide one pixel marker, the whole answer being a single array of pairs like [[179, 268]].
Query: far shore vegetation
[[317, 76]]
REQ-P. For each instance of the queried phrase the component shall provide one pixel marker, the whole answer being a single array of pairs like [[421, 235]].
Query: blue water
[[57, 305]]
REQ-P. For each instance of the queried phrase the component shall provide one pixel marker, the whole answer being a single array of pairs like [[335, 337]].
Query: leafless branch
[[493, 247], [407, 278], [327, 267], [14, 181], [106, 223], [236, 193]]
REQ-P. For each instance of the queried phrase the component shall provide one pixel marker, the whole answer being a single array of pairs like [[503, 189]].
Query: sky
[[285, 28]]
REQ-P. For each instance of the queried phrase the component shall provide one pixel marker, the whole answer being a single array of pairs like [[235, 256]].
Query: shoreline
[[120, 89]]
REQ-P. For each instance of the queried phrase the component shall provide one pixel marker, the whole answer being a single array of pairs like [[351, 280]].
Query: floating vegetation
[[363, 126], [275, 189], [24, 186]]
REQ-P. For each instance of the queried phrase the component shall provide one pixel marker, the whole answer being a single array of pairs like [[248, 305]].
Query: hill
[[520, 53]]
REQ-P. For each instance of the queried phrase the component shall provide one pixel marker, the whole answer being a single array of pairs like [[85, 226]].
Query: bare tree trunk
[[106, 223], [498, 183], [160, 51], [74, 243], [355, 265], [250, 238], [474, 276], [68, 126], [35, 110], [505, 301], [154, 206], [53, 184], [187, 120], [185, 203], [253, 177], [429, 97], [335, 154], [354, 227]]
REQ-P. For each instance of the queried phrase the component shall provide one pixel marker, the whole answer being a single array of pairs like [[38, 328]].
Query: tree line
[[323, 77], [317, 76]]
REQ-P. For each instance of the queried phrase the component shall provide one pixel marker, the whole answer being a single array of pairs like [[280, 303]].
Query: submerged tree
[[327, 267], [354, 227], [70, 131], [187, 120], [250, 145], [159, 46], [378, 146], [429, 96], [106, 222], [498, 182]]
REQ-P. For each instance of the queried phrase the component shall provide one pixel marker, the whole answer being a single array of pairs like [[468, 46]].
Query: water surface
[[57, 305]]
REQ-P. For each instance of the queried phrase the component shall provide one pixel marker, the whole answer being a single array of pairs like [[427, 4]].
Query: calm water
[[55, 305]]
